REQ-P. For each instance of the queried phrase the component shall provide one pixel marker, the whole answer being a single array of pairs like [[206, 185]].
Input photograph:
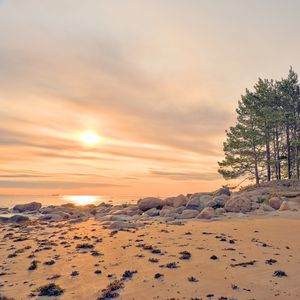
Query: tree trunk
[[268, 155], [288, 151], [277, 154]]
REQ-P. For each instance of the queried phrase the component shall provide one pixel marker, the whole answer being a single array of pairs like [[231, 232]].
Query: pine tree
[[243, 147], [265, 142]]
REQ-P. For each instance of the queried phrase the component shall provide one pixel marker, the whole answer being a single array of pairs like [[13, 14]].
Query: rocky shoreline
[[222, 203], [137, 251]]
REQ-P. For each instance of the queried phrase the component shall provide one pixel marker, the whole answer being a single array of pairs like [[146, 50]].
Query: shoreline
[[215, 246]]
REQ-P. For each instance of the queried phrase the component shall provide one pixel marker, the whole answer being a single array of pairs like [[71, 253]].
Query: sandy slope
[[255, 238]]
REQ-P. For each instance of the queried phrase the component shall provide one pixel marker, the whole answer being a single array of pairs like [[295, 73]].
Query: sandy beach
[[233, 258]]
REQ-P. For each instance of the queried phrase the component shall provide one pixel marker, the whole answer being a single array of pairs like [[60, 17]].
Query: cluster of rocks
[[258, 200]]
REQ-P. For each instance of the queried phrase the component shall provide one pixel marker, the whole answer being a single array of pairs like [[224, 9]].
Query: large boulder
[[150, 202], [152, 212], [178, 201], [33, 206], [275, 202], [193, 203], [207, 213], [14, 219], [199, 201], [222, 191], [238, 204], [188, 214]]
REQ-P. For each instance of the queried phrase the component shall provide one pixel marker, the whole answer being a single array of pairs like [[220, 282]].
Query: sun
[[90, 138]]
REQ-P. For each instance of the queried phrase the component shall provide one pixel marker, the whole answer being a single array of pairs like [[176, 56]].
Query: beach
[[233, 258]]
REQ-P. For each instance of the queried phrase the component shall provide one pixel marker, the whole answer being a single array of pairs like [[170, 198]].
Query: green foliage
[[264, 143]]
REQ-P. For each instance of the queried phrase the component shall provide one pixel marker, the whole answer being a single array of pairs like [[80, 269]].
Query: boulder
[[216, 203], [178, 201], [165, 210], [222, 191], [153, 212], [150, 202], [55, 217], [188, 214], [275, 202], [119, 225], [133, 212], [220, 211], [4, 210], [171, 214], [238, 204], [33, 206], [193, 203], [207, 213], [266, 207], [204, 199], [14, 219], [120, 217], [290, 205], [179, 209]]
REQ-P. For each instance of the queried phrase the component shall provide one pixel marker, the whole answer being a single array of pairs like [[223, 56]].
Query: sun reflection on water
[[83, 199]]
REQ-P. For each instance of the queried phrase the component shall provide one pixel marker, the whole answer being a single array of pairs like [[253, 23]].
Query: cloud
[[52, 184], [186, 176]]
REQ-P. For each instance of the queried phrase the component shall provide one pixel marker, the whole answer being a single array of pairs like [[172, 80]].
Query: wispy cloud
[[159, 93]]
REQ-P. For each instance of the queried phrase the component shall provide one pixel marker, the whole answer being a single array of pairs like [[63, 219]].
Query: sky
[[157, 80]]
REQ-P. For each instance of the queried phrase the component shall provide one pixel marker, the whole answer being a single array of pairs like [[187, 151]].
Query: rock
[[207, 213], [290, 205], [222, 191], [216, 203], [266, 207], [14, 219], [133, 212], [120, 218], [193, 203], [33, 206], [55, 217], [153, 212], [178, 201], [4, 210], [188, 214], [119, 212], [165, 210], [172, 215], [150, 202], [179, 209], [238, 204], [119, 225], [220, 211], [204, 199], [198, 201], [275, 202]]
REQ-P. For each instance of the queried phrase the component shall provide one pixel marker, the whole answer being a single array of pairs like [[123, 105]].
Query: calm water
[[10, 201]]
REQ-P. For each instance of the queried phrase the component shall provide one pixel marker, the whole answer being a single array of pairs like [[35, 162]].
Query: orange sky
[[157, 80]]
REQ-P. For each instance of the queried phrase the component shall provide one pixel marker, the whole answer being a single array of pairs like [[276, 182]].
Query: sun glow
[[90, 138], [82, 199]]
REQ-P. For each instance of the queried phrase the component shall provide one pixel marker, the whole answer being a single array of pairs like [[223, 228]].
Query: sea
[[9, 201]]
